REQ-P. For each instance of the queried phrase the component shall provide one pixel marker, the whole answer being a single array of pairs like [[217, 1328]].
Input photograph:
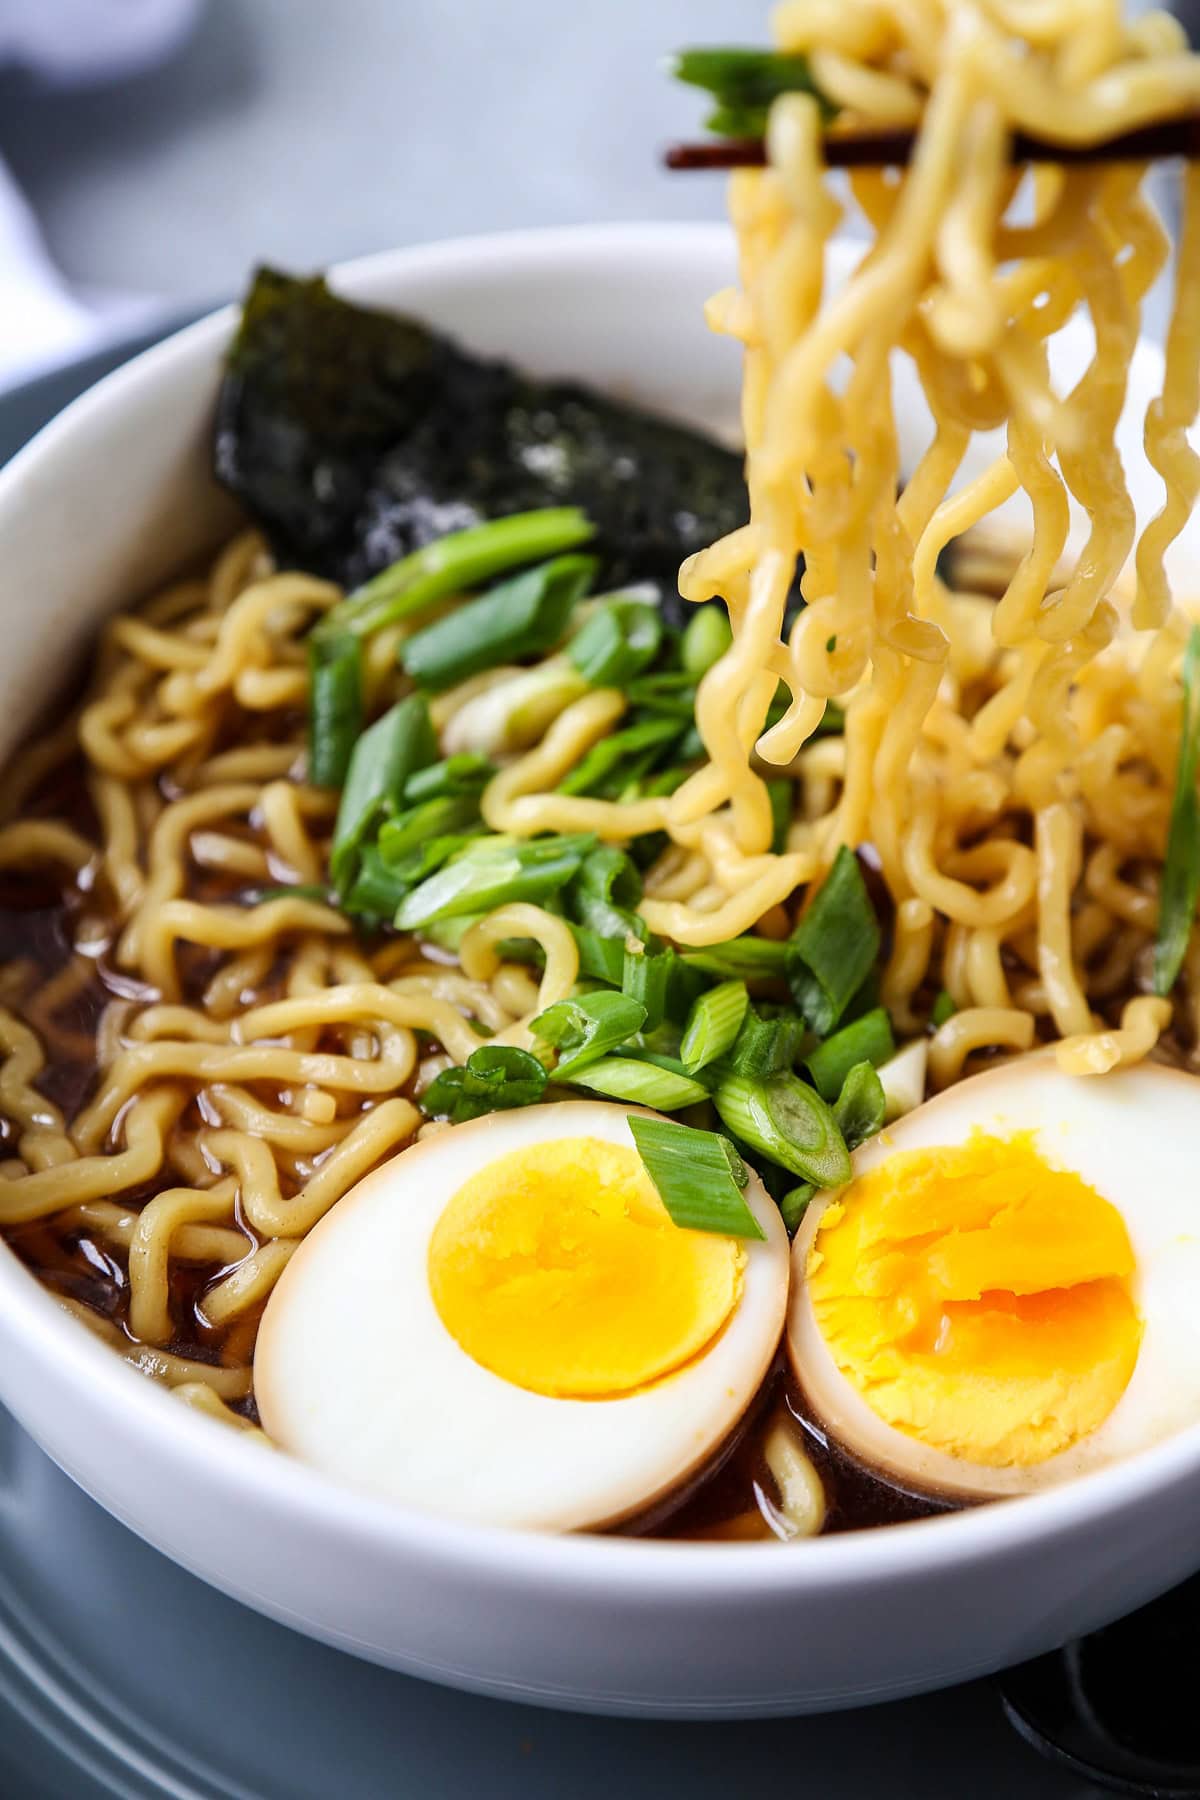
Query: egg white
[[1134, 1136], [355, 1372]]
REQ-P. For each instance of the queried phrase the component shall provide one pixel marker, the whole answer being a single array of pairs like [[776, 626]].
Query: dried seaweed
[[355, 436]]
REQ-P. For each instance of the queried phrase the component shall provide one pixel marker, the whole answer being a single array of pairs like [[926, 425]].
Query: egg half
[[503, 1324], [1005, 1295]]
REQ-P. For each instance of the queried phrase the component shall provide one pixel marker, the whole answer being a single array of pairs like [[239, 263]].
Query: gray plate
[[122, 1675]]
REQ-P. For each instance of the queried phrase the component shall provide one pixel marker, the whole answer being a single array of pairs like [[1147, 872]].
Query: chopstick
[[892, 149]]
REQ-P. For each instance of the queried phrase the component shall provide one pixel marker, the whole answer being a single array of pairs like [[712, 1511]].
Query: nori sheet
[[353, 436]]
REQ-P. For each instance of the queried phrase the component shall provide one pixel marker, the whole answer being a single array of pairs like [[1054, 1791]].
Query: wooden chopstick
[[892, 149]]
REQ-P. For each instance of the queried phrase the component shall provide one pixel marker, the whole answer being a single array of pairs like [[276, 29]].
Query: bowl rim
[[680, 1571]]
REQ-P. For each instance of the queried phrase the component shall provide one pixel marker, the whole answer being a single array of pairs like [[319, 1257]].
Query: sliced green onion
[[491, 873], [943, 1008], [456, 776], [640, 1082], [741, 959], [794, 1204], [586, 1029], [869, 1039], [699, 1176], [598, 763], [383, 882], [713, 1025], [861, 1106], [601, 958], [416, 825], [768, 1044], [744, 83], [516, 712], [605, 894], [706, 637], [789, 1123], [455, 563], [644, 977], [495, 1078], [1181, 870], [399, 743], [616, 642], [335, 706], [524, 616], [834, 947], [671, 692], [782, 795]]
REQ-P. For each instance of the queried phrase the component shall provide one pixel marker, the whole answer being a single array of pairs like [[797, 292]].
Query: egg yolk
[[978, 1299], [558, 1268]]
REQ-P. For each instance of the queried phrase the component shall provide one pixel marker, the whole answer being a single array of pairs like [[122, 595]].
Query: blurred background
[[151, 151]]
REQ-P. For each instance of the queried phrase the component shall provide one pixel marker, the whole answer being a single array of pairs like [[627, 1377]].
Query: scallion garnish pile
[[776, 1043]]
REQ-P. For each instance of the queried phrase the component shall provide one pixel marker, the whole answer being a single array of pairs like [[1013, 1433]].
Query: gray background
[[308, 130]]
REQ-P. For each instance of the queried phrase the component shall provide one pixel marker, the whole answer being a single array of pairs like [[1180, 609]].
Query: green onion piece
[[861, 1105], [670, 691], [868, 1040], [496, 1077], [601, 958], [384, 757], [768, 1044], [335, 706], [640, 1082], [794, 1204], [604, 758], [1181, 870], [455, 563], [522, 617], [706, 637], [782, 796], [493, 872], [744, 83], [740, 959], [713, 1025], [605, 894], [699, 1176], [616, 642], [943, 1008], [585, 1029], [383, 882], [416, 825], [456, 776], [834, 947], [645, 975], [789, 1123]]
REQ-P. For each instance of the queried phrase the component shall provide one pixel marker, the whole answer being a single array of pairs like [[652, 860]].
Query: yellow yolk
[[978, 1299], [558, 1268]]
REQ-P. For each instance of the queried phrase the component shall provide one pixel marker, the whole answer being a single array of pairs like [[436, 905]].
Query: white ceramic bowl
[[118, 484]]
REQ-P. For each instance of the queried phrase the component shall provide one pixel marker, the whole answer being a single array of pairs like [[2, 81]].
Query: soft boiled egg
[[503, 1324], [1005, 1294]]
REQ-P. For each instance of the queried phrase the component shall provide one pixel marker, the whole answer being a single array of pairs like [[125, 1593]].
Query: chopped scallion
[[457, 775], [524, 616], [603, 759], [413, 828], [861, 1106], [616, 642], [834, 947], [495, 1078], [768, 1044], [335, 706], [943, 1008], [699, 1176], [787, 1121], [493, 872], [640, 1082], [1181, 869], [868, 1039], [644, 977], [587, 1028], [706, 637], [794, 1204], [713, 1025], [455, 563], [384, 757], [744, 83], [741, 959]]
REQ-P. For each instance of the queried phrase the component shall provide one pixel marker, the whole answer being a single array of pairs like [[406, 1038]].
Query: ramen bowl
[[108, 500]]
